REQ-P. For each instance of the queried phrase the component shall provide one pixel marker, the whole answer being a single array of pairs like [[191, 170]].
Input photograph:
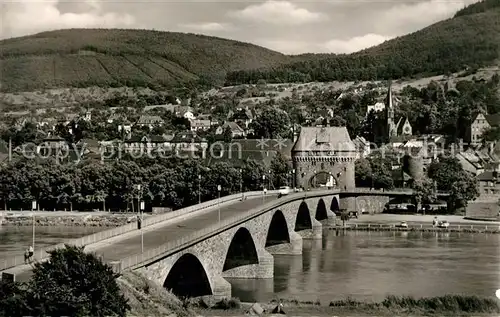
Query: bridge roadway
[[117, 248], [156, 237], [127, 244]]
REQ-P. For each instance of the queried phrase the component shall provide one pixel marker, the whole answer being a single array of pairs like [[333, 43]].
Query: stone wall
[[213, 252], [483, 210]]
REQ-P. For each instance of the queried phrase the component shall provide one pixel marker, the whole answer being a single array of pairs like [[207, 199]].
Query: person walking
[[30, 253]]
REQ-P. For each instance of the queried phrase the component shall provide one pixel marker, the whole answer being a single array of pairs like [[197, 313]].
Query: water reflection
[[371, 265]]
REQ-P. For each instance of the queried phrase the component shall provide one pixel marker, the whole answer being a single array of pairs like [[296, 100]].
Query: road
[[157, 237], [154, 236]]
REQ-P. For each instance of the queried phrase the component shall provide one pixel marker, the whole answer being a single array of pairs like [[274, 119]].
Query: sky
[[291, 27]]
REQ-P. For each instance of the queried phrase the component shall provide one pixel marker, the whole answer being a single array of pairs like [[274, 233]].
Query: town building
[[479, 125], [149, 121], [236, 130]]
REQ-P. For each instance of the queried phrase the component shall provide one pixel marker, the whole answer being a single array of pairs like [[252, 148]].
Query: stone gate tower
[[324, 156]]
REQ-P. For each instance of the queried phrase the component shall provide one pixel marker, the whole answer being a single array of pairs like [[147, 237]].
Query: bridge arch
[[241, 251], [321, 213], [188, 278], [277, 233], [335, 206], [303, 220]]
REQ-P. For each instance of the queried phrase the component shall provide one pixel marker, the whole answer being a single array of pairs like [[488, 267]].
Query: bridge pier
[[294, 247], [220, 287], [315, 233], [264, 269]]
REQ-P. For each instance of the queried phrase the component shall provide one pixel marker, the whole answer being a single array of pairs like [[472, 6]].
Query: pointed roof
[[321, 139]]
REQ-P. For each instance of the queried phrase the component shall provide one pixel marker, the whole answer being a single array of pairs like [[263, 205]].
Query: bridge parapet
[[42, 254]]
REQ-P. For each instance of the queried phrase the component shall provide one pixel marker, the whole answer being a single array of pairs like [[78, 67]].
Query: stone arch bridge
[[244, 246], [245, 250]]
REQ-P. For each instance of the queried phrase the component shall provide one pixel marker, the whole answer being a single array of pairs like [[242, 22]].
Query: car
[[403, 224], [284, 190], [443, 224]]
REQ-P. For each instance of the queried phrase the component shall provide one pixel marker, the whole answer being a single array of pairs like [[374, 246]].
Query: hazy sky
[[286, 26]]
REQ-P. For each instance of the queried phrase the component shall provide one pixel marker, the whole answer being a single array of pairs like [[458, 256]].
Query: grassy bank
[[450, 305], [149, 299]]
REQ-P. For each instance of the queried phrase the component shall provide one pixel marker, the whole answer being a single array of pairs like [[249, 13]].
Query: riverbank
[[67, 219], [392, 306], [493, 229], [149, 299]]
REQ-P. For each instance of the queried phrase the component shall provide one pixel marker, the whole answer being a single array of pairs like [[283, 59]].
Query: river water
[[362, 265], [371, 265], [15, 240]]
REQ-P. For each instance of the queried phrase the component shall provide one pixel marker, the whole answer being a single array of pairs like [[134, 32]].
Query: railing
[[42, 254], [464, 227], [173, 246]]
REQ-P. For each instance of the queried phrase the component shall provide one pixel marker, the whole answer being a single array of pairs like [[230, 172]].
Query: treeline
[[479, 7], [446, 47], [93, 185]]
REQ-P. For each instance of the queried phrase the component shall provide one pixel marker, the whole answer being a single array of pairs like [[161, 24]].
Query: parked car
[[284, 190], [403, 224], [443, 224]]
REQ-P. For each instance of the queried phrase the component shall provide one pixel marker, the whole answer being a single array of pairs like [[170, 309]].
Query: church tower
[[389, 114]]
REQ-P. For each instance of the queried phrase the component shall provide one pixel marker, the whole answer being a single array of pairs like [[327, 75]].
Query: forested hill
[[114, 57], [469, 40]]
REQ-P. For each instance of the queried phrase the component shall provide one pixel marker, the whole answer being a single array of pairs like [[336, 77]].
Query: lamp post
[[142, 220], [269, 179], [241, 184], [263, 188], [293, 178], [33, 208], [199, 188], [314, 178], [218, 201]]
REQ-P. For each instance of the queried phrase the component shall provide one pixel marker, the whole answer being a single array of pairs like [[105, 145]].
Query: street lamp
[[241, 184], [199, 188], [293, 179], [269, 179], [218, 201], [33, 208], [263, 188], [142, 220]]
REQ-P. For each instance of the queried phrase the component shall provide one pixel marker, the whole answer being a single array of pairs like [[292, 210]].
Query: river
[[362, 265], [371, 265], [15, 240]]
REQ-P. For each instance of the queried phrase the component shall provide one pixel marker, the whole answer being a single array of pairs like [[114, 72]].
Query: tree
[[363, 173], [280, 170], [450, 176], [227, 135], [71, 283], [272, 123], [425, 191]]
